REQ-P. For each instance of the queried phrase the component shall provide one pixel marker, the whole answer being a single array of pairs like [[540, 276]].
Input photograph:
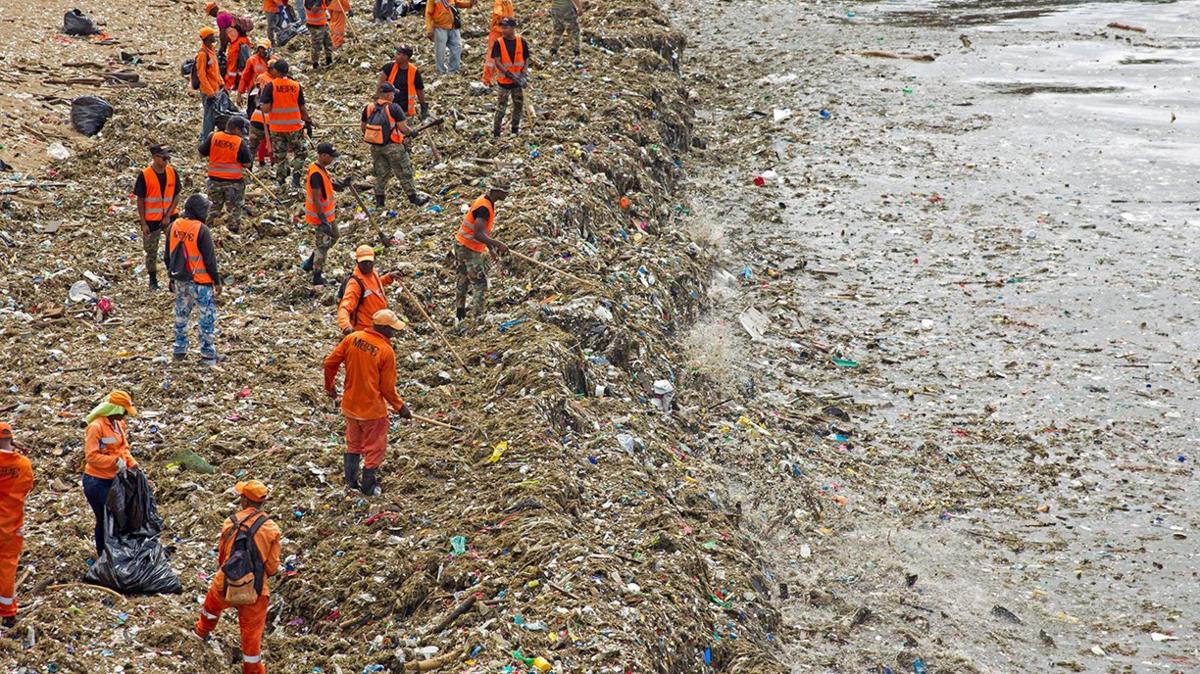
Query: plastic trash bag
[[285, 35], [89, 114], [223, 109], [76, 22], [133, 561]]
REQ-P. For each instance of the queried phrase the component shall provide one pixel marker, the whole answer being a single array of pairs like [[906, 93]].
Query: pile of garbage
[[576, 523]]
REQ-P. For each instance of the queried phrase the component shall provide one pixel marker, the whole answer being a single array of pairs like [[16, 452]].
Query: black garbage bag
[[223, 110], [287, 33], [133, 561], [89, 113], [76, 22]]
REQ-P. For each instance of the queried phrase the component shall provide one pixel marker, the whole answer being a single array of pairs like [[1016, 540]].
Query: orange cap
[[122, 398], [364, 252], [263, 44], [210, 7], [252, 489], [5, 431], [207, 32], [387, 317]]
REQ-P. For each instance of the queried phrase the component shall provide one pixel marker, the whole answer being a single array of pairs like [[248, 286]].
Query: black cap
[[160, 151], [236, 122], [280, 67], [386, 88], [327, 148], [404, 49], [508, 21]]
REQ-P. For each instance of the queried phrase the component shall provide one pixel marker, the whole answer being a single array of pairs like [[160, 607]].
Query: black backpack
[[244, 569], [342, 293]]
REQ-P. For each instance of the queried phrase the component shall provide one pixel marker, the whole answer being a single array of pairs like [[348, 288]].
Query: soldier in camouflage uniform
[[473, 243], [565, 14]]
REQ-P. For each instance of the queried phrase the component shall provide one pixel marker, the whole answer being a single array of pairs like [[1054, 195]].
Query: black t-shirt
[[139, 190], [401, 82], [511, 46]]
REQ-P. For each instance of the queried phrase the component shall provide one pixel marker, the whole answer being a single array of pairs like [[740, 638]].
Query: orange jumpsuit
[[369, 389], [252, 619], [500, 9], [337, 21], [16, 479], [364, 296]]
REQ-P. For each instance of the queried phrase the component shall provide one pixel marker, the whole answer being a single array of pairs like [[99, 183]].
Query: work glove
[[424, 111], [405, 413], [121, 466]]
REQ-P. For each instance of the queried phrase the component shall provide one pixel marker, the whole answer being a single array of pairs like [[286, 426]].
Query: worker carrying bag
[[243, 569], [133, 561], [378, 125]]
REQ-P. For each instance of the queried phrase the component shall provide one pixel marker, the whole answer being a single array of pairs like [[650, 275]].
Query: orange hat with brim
[[364, 252], [210, 7], [122, 398], [387, 317], [252, 489], [5, 431], [207, 32]]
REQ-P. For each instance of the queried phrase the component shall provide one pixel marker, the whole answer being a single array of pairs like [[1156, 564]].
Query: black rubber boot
[[379, 199], [369, 488], [307, 264], [153, 281], [350, 465], [318, 278], [460, 313]]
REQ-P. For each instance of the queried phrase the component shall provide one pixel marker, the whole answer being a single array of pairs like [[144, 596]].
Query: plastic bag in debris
[[76, 22], [89, 114], [133, 561], [286, 34], [224, 109]]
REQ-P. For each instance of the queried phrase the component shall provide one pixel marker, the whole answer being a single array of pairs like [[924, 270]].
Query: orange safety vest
[[285, 106], [410, 86], [222, 156], [512, 65], [187, 232], [158, 199], [317, 17], [312, 205], [231, 58], [466, 233], [373, 133], [257, 116]]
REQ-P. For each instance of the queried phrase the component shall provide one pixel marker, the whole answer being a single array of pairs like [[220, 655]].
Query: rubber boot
[[350, 464], [307, 265], [154, 280], [379, 199], [369, 488], [318, 278]]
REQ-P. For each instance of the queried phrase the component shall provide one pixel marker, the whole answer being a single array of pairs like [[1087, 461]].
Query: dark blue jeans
[[96, 491]]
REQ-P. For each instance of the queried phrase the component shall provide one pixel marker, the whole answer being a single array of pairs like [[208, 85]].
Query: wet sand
[[1004, 240]]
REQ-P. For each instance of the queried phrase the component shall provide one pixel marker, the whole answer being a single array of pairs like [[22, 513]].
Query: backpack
[[342, 293], [188, 70], [378, 126], [244, 571], [245, 23]]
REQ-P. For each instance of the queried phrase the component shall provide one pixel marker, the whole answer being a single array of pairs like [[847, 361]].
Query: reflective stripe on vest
[[510, 66], [466, 232], [285, 106], [251, 659], [317, 17], [187, 232], [410, 87], [312, 205], [222, 156], [158, 199], [7, 601]]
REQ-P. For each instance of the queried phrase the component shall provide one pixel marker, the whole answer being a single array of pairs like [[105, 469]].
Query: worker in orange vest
[[370, 390], [16, 479], [405, 78], [316, 14], [364, 294], [208, 74], [443, 27], [157, 191], [501, 9], [237, 53], [320, 206], [282, 101], [255, 70], [249, 546], [228, 159], [106, 453], [385, 128], [191, 260], [511, 55], [472, 241]]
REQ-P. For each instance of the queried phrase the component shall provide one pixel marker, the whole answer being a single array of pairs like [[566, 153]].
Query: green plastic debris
[[192, 461], [845, 362]]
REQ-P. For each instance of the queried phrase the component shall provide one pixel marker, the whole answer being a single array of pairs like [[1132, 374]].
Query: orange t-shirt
[[370, 290], [370, 385], [266, 540], [105, 443], [16, 479]]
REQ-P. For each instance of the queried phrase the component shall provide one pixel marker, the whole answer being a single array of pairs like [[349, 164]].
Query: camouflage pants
[[150, 247], [471, 275], [392, 159], [223, 193], [518, 98], [568, 24], [283, 144], [189, 296], [256, 138], [324, 243], [320, 39]]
